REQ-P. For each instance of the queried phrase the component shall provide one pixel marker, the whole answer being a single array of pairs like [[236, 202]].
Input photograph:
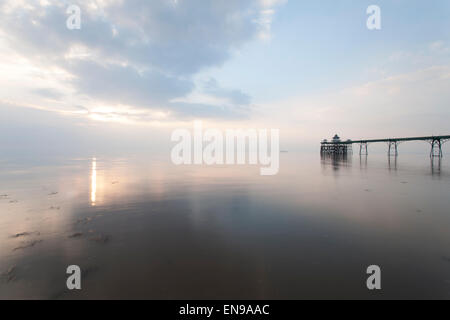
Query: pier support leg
[[363, 149], [393, 148], [436, 148]]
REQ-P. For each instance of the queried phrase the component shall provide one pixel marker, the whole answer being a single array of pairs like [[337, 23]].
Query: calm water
[[140, 227]]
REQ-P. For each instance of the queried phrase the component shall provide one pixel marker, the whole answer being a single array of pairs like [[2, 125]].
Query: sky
[[138, 69]]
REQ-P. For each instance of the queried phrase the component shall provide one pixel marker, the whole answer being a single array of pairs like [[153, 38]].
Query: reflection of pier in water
[[336, 161], [392, 163], [436, 166], [339, 161]]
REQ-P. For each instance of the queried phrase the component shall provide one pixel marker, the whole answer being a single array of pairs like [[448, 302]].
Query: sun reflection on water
[[94, 182]]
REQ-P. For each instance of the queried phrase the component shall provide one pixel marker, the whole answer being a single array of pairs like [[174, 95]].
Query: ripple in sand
[[25, 234], [27, 244], [10, 275], [76, 235]]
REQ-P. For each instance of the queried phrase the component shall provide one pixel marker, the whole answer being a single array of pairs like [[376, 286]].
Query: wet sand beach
[[141, 227]]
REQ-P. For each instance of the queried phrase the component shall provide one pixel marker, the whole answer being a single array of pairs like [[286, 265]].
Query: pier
[[337, 146]]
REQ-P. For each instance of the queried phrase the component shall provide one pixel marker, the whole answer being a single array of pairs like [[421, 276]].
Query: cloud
[[409, 104], [435, 53], [139, 53], [126, 85], [439, 47], [48, 93], [266, 17], [235, 97]]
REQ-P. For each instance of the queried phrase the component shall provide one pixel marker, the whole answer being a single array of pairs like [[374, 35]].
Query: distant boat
[[283, 151]]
